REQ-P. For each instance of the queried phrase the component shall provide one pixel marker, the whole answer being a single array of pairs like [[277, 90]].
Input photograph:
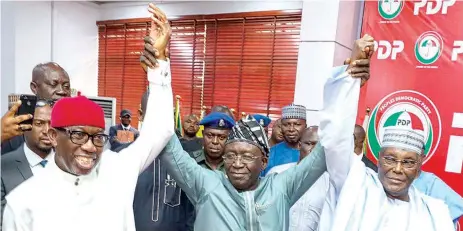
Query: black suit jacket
[[15, 170], [12, 144], [113, 134]]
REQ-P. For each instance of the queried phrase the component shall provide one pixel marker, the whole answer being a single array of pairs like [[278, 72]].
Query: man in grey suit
[[31, 157]]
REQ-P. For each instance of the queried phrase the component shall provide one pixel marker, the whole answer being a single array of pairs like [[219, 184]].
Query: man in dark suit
[[189, 141], [114, 139], [359, 140], [159, 203], [31, 157]]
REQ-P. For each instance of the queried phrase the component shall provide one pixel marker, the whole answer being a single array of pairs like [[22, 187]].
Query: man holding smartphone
[[32, 156], [49, 81]]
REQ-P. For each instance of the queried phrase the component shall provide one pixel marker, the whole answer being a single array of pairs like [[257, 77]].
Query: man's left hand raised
[[359, 62], [156, 44]]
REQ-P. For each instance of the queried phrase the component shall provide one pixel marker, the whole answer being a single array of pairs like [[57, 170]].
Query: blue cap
[[264, 121], [217, 120]]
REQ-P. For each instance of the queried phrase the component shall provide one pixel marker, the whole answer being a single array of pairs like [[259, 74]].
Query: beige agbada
[[358, 201]]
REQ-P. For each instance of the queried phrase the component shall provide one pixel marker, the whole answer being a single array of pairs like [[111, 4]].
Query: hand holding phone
[[27, 107], [11, 124]]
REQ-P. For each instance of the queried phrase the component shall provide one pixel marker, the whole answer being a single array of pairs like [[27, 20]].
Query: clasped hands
[[359, 62], [160, 33], [156, 44]]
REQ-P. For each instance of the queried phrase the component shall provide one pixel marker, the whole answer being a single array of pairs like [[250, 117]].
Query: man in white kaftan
[[84, 188], [361, 199]]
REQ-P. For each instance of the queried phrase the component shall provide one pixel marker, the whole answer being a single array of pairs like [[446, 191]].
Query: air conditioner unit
[[109, 107]]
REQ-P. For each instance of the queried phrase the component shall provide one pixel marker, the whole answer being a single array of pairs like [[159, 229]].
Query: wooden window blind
[[245, 61]]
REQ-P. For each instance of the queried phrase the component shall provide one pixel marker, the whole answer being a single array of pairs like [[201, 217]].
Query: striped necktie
[[43, 163]]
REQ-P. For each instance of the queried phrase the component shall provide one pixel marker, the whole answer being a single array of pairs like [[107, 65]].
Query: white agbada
[[358, 201], [102, 200]]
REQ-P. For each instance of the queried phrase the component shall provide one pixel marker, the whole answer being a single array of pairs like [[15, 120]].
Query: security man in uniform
[[217, 125], [264, 121]]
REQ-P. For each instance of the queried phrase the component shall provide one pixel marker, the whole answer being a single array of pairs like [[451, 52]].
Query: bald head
[[223, 109], [190, 117], [359, 139], [190, 126], [309, 138], [50, 81], [277, 135]]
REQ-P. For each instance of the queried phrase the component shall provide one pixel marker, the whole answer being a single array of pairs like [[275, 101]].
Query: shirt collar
[[202, 160], [73, 179], [33, 158], [126, 128], [359, 157]]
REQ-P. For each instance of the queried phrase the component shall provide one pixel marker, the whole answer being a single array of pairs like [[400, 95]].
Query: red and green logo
[[389, 9], [405, 108]]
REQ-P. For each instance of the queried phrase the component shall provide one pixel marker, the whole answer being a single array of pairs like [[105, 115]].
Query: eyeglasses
[[230, 158], [45, 102], [80, 137], [391, 161]]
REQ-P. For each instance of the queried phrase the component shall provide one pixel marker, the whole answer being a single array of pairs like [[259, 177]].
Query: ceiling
[[154, 1], [104, 2]]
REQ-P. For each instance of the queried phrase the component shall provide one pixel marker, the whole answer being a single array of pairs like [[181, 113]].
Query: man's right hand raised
[[11, 126], [157, 42], [359, 62]]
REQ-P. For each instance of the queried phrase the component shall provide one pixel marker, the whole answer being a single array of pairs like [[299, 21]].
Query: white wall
[[328, 31], [75, 43], [32, 40], [36, 32], [7, 50], [124, 10], [66, 32]]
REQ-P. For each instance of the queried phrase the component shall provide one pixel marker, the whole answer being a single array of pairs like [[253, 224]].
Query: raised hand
[[363, 48], [160, 31], [359, 62], [148, 57], [156, 44], [11, 126]]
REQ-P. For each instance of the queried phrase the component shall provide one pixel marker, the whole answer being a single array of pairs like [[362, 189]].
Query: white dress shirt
[[101, 200], [34, 160], [126, 128], [304, 215]]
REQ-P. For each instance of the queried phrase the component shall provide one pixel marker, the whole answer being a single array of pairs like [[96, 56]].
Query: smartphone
[[27, 106]]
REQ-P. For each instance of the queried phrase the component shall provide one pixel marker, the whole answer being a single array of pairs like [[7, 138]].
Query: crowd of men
[[58, 174]]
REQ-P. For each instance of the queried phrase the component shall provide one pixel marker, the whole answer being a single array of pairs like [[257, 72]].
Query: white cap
[[403, 137]]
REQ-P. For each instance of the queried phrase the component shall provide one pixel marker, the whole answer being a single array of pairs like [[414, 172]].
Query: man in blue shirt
[[433, 186], [293, 123]]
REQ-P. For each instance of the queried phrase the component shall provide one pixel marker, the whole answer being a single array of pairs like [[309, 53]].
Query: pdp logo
[[405, 108], [428, 47], [389, 9]]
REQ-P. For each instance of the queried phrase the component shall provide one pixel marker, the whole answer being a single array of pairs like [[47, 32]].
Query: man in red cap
[[84, 188]]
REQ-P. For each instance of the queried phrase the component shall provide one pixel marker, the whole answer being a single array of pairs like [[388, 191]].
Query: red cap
[[77, 111]]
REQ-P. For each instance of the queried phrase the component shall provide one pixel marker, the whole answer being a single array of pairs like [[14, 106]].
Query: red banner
[[417, 78]]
